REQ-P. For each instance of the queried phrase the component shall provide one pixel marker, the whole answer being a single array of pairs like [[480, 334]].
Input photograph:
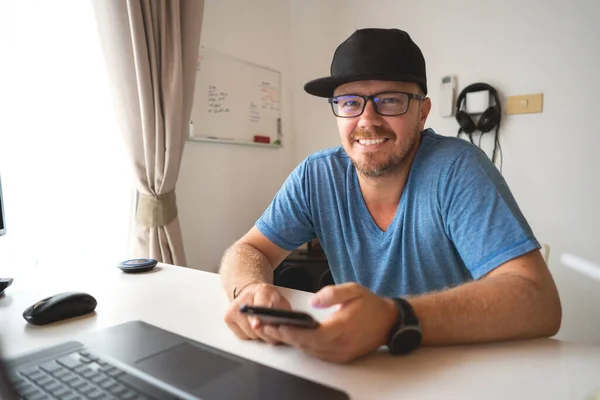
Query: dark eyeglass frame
[[372, 98]]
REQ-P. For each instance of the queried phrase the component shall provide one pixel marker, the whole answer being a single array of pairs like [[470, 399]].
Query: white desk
[[191, 303]]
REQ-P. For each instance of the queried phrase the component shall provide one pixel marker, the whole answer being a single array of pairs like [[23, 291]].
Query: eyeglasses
[[389, 104]]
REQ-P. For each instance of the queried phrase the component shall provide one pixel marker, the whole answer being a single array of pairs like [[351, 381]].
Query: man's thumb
[[336, 294]]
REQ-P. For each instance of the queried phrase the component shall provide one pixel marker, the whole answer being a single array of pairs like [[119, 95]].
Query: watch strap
[[406, 317]]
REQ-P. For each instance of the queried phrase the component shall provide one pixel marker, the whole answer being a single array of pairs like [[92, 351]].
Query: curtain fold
[[151, 48]]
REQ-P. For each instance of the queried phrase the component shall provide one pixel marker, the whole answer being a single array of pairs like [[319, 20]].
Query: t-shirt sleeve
[[287, 221], [482, 217]]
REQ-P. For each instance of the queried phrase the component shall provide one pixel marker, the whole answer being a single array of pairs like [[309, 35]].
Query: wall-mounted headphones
[[488, 120]]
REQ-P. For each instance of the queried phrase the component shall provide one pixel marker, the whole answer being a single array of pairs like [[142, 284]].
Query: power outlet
[[526, 104]]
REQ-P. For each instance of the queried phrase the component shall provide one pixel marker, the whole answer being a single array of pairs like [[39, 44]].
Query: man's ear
[[424, 112]]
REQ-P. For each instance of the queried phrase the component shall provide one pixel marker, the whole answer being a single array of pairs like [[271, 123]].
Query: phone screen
[[275, 316]]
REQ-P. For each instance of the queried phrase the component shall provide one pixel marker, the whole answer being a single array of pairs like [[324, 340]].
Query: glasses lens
[[347, 106], [392, 103]]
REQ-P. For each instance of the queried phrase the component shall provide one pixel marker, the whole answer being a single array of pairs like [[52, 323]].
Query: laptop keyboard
[[78, 375]]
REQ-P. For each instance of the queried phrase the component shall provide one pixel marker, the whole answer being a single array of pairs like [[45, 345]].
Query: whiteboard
[[234, 99]]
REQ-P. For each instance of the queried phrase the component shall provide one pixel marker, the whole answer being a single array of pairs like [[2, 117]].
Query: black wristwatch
[[405, 335]]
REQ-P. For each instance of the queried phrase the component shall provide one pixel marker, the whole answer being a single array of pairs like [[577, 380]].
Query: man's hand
[[359, 327], [255, 294]]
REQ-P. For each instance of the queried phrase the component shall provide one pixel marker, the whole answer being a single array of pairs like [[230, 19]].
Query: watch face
[[405, 340]]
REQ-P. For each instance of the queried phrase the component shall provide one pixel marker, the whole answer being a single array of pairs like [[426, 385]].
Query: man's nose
[[369, 117]]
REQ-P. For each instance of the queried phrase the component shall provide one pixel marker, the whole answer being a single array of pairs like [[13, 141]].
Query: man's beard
[[394, 164]]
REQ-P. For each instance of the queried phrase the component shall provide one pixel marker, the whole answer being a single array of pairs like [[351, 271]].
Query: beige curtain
[[151, 49]]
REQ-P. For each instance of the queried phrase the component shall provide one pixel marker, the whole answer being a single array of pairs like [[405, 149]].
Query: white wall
[[223, 188], [520, 47], [317, 28]]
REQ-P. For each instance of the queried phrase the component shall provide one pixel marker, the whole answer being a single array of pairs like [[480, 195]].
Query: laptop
[[136, 360]]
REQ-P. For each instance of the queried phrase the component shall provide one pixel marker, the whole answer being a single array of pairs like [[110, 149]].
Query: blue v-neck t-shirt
[[457, 219]]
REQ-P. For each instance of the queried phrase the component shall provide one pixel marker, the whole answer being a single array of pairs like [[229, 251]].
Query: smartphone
[[276, 316]]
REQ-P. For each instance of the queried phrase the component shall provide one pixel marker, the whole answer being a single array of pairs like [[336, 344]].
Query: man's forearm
[[496, 308], [243, 264]]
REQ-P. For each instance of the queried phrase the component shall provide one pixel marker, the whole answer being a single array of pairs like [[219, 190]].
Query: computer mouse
[[60, 306], [4, 283]]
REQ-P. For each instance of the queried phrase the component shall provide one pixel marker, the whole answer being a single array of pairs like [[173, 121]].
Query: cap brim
[[324, 87]]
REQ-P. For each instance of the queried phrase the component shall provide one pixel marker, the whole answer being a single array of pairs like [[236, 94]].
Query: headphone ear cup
[[466, 123], [489, 119]]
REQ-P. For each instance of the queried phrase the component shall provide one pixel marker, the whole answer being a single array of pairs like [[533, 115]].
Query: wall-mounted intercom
[[447, 89]]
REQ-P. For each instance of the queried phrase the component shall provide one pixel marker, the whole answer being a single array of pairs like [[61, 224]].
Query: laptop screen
[[2, 224]]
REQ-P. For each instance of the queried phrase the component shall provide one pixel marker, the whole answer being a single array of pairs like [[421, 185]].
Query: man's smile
[[372, 144]]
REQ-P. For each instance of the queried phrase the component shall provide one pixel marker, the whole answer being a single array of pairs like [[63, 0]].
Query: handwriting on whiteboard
[[269, 96], [217, 100], [254, 114]]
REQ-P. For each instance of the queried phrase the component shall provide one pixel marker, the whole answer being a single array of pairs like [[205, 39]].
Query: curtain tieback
[[154, 211]]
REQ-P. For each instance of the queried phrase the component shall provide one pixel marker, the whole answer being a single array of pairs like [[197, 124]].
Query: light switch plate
[[525, 104]]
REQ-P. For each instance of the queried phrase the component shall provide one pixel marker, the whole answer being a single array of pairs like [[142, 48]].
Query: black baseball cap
[[373, 54]]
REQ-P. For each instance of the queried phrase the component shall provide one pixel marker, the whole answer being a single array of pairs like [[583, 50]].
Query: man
[[424, 240]]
